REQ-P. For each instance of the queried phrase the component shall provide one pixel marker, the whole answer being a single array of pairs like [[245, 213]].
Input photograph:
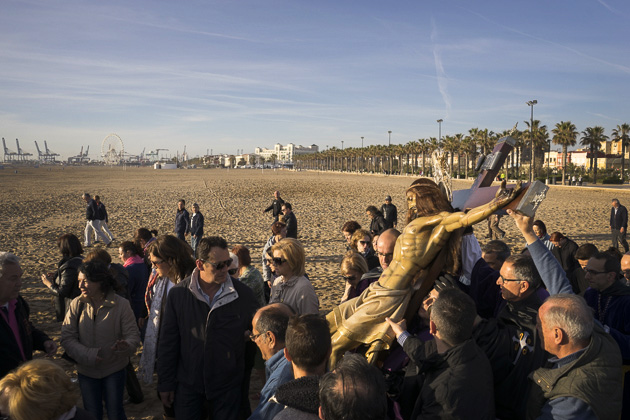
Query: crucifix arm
[[459, 220]]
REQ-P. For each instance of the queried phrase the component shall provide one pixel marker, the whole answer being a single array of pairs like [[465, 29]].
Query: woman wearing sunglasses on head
[[291, 287], [172, 262]]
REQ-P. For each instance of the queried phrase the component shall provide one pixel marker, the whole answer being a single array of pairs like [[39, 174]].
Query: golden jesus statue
[[432, 225]]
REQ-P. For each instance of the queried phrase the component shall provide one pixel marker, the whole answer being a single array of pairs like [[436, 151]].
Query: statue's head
[[425, 198]]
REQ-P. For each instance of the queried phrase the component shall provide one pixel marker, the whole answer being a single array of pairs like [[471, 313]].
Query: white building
[[284, 154]]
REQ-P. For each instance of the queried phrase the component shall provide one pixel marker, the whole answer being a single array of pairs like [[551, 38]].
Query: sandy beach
[[37, 205]]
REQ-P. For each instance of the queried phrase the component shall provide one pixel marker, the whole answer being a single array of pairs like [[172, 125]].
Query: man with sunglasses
[[201, 345]]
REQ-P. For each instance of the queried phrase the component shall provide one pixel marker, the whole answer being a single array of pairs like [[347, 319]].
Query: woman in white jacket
[[100, 333]]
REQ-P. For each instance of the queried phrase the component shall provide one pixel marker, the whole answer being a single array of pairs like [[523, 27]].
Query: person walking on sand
[[196, 227], [93, 223], [182, 220], [618, 224], [276, 206], [101, 215], [290, 220]]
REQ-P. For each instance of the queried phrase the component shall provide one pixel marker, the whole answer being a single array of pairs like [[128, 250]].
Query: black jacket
[[182, 222], [301, 398], [65, 286], [291, 221], [566, 256], [204, 349], [276, 206], [31, 337], [390, 213], [620, 220], [196, 225], [456, 384], [378, 224], [91, 211], [101, 212]]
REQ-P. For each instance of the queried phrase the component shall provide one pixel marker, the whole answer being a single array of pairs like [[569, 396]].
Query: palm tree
[[593, 138], [622, 134], [564, 134], [538, 142]]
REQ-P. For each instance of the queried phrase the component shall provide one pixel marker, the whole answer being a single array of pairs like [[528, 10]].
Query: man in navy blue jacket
[[618, 224], [182, 220]]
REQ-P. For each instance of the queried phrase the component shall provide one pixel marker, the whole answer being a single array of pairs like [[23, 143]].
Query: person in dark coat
[[276, 206], [182, 220], [64, 284], [205, 319], [377, 222], [290, 220], [457, 377], [390, 212], [564, 250], [619, 224], [196, 227], [18, 335]]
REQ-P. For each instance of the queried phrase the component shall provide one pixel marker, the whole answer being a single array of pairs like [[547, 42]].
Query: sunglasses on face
[[365, 242], [349, 278], [219, 265], [232, 271], [277, 261]]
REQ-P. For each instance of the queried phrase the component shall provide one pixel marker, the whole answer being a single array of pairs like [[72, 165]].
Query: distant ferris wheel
[[112, 149]]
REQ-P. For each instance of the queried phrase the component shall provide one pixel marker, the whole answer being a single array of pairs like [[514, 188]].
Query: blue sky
[[230, 75]]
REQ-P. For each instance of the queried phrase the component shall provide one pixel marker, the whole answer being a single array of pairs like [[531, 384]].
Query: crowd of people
[[543, 333]]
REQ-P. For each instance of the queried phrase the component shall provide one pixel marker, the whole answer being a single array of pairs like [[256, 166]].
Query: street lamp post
[[440, 130], [342, 157], [548, 158], [389, 143], [531, 139]]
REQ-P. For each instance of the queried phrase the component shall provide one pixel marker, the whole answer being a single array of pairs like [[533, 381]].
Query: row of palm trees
[[404, 158]]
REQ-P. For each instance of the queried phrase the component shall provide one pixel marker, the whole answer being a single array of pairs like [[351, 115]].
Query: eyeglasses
[[156, 263], [385, 255], [593, 272], [218, 265], [349, 278], [276, 261], [366, 243], [504, 280], [253, 337]]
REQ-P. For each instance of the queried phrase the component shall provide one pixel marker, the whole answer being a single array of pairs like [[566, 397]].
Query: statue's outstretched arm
[[458, 220]]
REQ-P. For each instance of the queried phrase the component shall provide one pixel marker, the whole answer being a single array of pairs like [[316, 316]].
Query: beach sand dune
[[37, 205]]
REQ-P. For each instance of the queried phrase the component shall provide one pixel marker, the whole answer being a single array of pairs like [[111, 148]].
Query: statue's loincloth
[[362, 319]]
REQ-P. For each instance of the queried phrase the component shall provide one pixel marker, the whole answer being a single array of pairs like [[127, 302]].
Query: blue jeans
[[193, 243], [110, 389]]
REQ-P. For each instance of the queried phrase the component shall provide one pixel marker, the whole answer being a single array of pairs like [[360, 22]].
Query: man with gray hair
[[17, 334], [584, 378]]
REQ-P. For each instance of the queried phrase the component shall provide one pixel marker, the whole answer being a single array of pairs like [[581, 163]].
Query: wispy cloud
[[442, 80]]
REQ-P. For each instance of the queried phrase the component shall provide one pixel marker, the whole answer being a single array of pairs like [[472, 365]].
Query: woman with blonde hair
[[353, 266], [172, 261], [291, 287], [39, 389]]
